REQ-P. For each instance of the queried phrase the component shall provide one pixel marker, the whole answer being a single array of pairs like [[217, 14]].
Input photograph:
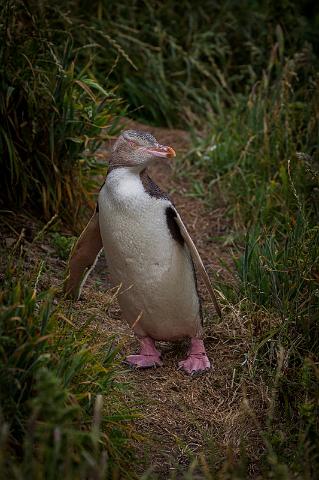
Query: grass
[[252, 158], [186, 62], [63, 410], [52, 112], [62, 244], [61, 80]]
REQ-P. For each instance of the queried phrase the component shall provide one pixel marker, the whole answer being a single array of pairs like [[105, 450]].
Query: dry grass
[[182, 415]]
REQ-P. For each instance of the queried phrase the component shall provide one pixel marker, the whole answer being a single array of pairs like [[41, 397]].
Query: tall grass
[[263, 157], [253, 147], [62, 65], [51, 110], [62, 408], [186, 61]]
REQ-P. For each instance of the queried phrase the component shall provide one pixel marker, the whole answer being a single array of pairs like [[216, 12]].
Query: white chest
[[133, 224], [155, 271]]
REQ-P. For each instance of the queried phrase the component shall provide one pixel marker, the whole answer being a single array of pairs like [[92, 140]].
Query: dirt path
[[182, 414]]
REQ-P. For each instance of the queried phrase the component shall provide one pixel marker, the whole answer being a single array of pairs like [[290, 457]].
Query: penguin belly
[[158, 296]]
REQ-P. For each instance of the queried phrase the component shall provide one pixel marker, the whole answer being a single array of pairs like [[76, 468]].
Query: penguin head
[[138, 149]]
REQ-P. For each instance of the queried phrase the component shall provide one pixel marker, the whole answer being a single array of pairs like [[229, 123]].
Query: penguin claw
[[144, 361], [195, 363]]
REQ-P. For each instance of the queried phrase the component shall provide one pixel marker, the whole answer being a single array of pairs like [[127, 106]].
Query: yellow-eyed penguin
[[149, 253]]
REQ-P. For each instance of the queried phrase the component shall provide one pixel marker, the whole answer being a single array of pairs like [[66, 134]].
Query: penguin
[[149, 253]]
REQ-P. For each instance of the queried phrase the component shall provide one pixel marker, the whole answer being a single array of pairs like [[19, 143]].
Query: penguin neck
[[116, 162], [125, 183], [125, 172]]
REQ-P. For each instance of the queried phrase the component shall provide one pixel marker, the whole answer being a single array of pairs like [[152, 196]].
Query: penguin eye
[[132, 143]]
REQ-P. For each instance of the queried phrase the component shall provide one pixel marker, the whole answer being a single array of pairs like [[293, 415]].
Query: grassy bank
[[65, 67], [63, 411], [52, 112], [261, 157]]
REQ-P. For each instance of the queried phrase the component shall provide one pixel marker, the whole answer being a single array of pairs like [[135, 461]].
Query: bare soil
[[182, 415]]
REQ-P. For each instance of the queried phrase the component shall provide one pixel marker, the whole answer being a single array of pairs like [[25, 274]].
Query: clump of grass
[[283, 276], [51, 110], [271, 189], [252, 149], [62, 244], [62, 408]]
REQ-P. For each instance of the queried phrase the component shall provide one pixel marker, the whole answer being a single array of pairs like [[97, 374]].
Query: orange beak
[[161, 151]]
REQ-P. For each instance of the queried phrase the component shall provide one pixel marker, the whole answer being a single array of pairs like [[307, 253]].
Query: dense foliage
[[61, 64], [263, 155], [62, 409], [51, 110]]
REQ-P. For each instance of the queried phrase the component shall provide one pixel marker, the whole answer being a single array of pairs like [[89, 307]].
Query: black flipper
[[197, 259]]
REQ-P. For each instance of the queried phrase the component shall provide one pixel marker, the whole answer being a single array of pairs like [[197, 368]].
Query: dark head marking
[[140, 137], [137, 149]]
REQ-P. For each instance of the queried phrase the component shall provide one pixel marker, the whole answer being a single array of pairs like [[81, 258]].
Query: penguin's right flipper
[[83, 257], [198, 261]]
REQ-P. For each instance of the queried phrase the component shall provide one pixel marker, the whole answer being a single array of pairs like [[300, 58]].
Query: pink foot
[[144, 361], [149, 356], [197, 360]]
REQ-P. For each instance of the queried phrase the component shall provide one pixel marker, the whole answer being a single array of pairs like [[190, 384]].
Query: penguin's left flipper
[[83, 257], [198, 261]]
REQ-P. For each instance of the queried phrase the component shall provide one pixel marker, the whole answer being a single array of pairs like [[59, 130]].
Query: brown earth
[[182, 415]]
